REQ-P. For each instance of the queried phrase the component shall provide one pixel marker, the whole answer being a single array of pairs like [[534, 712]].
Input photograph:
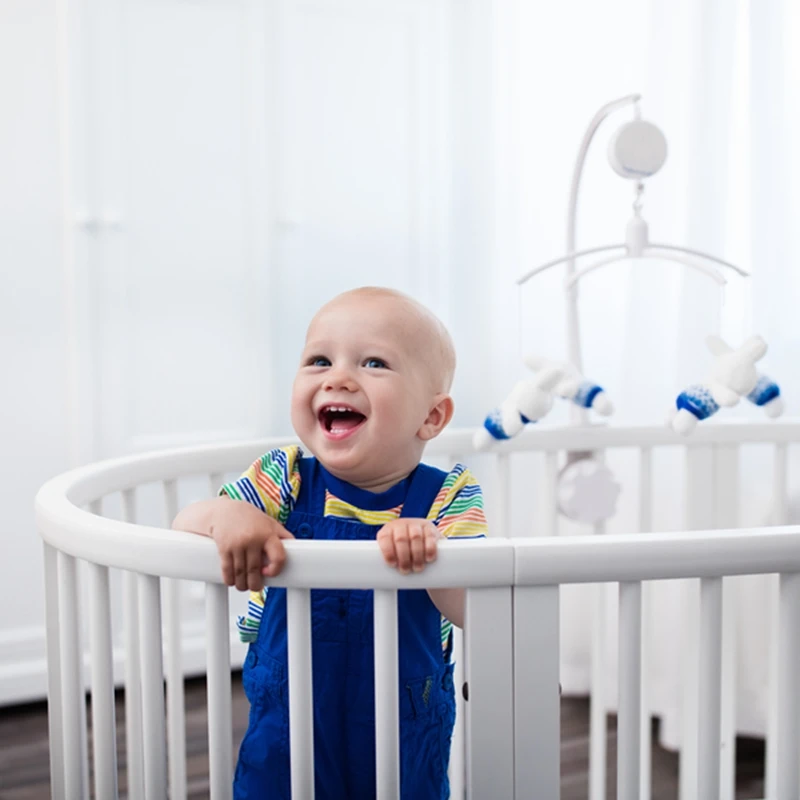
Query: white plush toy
[[531, 399], [573, 386], [732, 376]]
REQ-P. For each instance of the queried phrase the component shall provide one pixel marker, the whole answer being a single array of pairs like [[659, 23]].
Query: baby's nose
[[340, 379]]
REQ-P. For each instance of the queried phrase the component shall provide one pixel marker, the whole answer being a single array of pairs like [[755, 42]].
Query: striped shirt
[[272, 484]]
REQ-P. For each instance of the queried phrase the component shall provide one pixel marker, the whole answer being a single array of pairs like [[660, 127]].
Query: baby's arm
[[451, 603], [248, 540], [409, 544]]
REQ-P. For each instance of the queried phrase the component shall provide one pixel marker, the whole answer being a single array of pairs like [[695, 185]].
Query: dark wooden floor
[[24, 765]]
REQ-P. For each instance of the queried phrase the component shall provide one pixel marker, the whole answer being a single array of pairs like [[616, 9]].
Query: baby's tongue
[[345, 423]]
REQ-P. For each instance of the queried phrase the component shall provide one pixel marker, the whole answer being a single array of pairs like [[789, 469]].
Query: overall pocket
[[266, 742], [425, 734]]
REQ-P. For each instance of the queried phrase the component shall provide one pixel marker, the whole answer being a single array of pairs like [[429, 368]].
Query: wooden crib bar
[[537, 711], [490, 710], [301, 697], [387, 718], [104, 729], [133, 668], [73, 707], [153, 721], [645, 513], [511, 660], [218, 660], [780, 514], [710, 682], [788, 774], [56, 724], [176, 716], [630, 687]]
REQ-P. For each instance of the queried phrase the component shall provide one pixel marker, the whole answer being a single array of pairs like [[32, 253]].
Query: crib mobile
[[586, 489]]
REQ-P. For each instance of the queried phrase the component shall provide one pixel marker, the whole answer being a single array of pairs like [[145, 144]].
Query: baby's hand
[[249, 544], [408, 544]]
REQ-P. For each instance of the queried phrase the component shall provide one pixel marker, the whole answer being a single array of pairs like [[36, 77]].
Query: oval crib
[[507, 734]]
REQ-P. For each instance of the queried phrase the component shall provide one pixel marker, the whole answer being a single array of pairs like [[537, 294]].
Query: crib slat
[[629, 718], [788, 775], [176, 714], [457, 749], [55, 717], [133, 667], [104, 729], [549, 506], [726, 515], [597, 706], [133, 687], [699, 513], [490, 710], [387, 717], [780, 505], [536, 699], [645, 526], [301, 695], [502, 472], [72, 686], [709, 707], [218, 660], [153, 727]]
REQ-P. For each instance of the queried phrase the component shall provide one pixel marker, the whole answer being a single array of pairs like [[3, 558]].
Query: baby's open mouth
[[338, 420]]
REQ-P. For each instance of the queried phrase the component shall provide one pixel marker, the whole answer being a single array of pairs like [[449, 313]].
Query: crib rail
[[511, 644]]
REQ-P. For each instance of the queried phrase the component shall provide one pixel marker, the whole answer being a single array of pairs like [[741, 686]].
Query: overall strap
[[425, 485], [311, 499]]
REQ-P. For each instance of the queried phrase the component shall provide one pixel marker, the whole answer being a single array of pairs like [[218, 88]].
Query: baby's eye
[[375, 363], [318, 361]]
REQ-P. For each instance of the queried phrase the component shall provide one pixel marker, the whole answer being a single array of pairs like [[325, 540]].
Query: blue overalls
[[343, 670]]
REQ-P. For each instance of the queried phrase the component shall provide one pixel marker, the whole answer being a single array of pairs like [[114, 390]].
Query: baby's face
[[363, 390]]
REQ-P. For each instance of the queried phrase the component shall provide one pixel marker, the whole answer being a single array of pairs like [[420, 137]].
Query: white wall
[[260, 155], [33, 411], [183, 184]]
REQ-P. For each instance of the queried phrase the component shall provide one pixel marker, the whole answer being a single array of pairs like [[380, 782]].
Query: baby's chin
[[339, 462]]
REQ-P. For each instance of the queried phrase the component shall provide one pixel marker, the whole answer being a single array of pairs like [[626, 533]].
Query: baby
[[371, 389]]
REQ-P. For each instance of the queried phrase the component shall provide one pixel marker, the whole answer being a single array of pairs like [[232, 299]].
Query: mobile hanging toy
[[586, 490], [732, 377], [530, 400]]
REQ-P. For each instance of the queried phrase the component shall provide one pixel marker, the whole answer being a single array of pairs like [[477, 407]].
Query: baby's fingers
[[276, 556], [431, 541], [255, 560], [226, 564], [240, 568], [402, 546], [416, 537], [386, 544]]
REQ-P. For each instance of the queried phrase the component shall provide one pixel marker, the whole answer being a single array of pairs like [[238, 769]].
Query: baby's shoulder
[[457, 476], [285, 459]]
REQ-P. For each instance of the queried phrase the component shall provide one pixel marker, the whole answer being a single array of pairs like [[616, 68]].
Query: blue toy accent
[[697, 400], [494, 424], [765, 390], [587, 391]]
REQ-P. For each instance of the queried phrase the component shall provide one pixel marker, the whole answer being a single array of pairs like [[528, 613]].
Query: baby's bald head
[[420, 331]]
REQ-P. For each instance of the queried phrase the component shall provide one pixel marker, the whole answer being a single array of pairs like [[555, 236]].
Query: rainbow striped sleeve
[[458, 509], [458, 513], [272, 484]]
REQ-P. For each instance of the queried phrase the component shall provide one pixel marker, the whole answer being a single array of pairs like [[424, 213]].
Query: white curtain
[[720, 79]]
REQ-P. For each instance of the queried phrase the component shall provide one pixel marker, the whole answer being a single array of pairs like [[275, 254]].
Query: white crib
[[507, 735]]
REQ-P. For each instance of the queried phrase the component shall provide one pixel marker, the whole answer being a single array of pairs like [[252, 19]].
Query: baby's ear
[[438, 417]]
